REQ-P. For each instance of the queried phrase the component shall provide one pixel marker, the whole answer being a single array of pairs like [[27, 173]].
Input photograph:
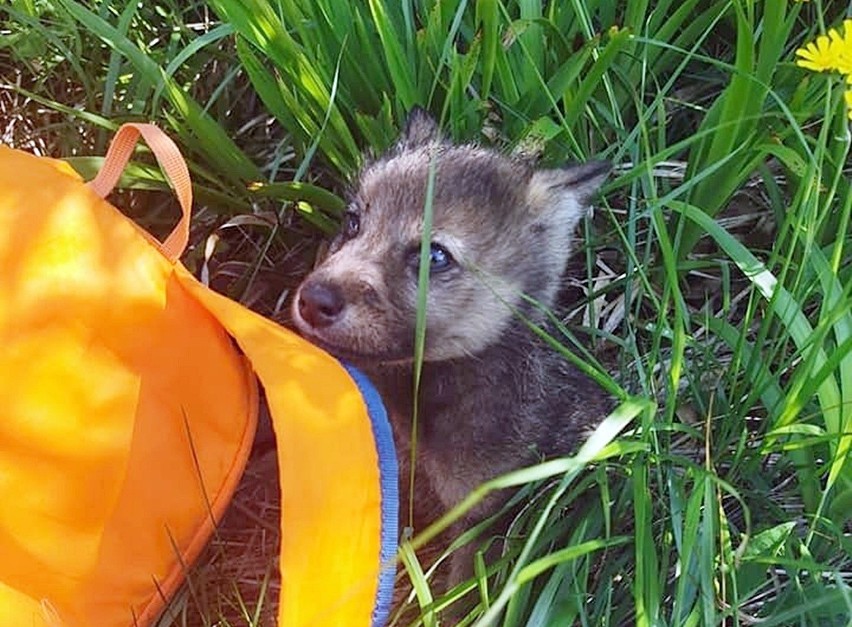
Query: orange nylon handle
[[170, 160]]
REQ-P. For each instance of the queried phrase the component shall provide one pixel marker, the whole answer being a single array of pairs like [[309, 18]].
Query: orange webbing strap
[[170, 160]]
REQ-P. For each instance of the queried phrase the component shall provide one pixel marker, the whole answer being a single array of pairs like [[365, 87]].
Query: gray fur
[[493, 396]]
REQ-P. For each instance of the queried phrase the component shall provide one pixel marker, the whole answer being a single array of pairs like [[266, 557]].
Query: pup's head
[[500, 229]]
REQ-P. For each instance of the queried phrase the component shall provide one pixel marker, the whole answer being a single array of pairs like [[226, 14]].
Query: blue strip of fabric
[[389, 485]]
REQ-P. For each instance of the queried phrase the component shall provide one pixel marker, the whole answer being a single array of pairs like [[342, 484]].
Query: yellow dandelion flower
[[832, 51], [842, 46], [818, 56]]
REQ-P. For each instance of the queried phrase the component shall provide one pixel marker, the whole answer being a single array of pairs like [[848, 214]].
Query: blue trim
[[389, 483]]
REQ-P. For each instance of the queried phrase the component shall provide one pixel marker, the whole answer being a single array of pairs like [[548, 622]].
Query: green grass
[[719, 258]]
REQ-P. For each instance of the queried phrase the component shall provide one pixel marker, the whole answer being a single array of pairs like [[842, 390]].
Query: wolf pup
[[493, 396]]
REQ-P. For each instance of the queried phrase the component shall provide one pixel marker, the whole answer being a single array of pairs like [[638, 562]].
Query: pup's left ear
[[561, 196], [581, 181]]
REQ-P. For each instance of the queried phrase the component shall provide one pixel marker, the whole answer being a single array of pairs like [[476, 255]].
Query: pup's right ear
[[420, 129]]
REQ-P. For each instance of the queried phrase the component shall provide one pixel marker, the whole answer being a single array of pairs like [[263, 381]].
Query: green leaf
[[398, 65], [211, 138]]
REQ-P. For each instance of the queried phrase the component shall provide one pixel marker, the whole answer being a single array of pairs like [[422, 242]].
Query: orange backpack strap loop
[[170, 160]]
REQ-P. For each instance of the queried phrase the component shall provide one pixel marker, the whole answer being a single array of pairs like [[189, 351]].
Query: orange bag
[[127, 414]]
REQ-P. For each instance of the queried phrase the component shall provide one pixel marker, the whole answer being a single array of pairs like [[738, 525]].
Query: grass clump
[[716, 276]]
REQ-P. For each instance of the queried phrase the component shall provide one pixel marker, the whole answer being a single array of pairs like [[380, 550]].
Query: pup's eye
[[351, 224], [439, 258]]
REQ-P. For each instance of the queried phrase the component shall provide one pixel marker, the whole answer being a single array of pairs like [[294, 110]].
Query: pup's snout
[[320, 304]]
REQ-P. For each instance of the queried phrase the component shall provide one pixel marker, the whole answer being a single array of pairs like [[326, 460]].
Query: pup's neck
[[504, 363]]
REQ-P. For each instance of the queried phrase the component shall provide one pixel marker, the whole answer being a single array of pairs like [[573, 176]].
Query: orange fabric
[[107, 373], [330, 510], [127, 414]]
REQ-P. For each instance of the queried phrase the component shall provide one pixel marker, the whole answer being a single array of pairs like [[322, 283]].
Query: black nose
[[320, 304]]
